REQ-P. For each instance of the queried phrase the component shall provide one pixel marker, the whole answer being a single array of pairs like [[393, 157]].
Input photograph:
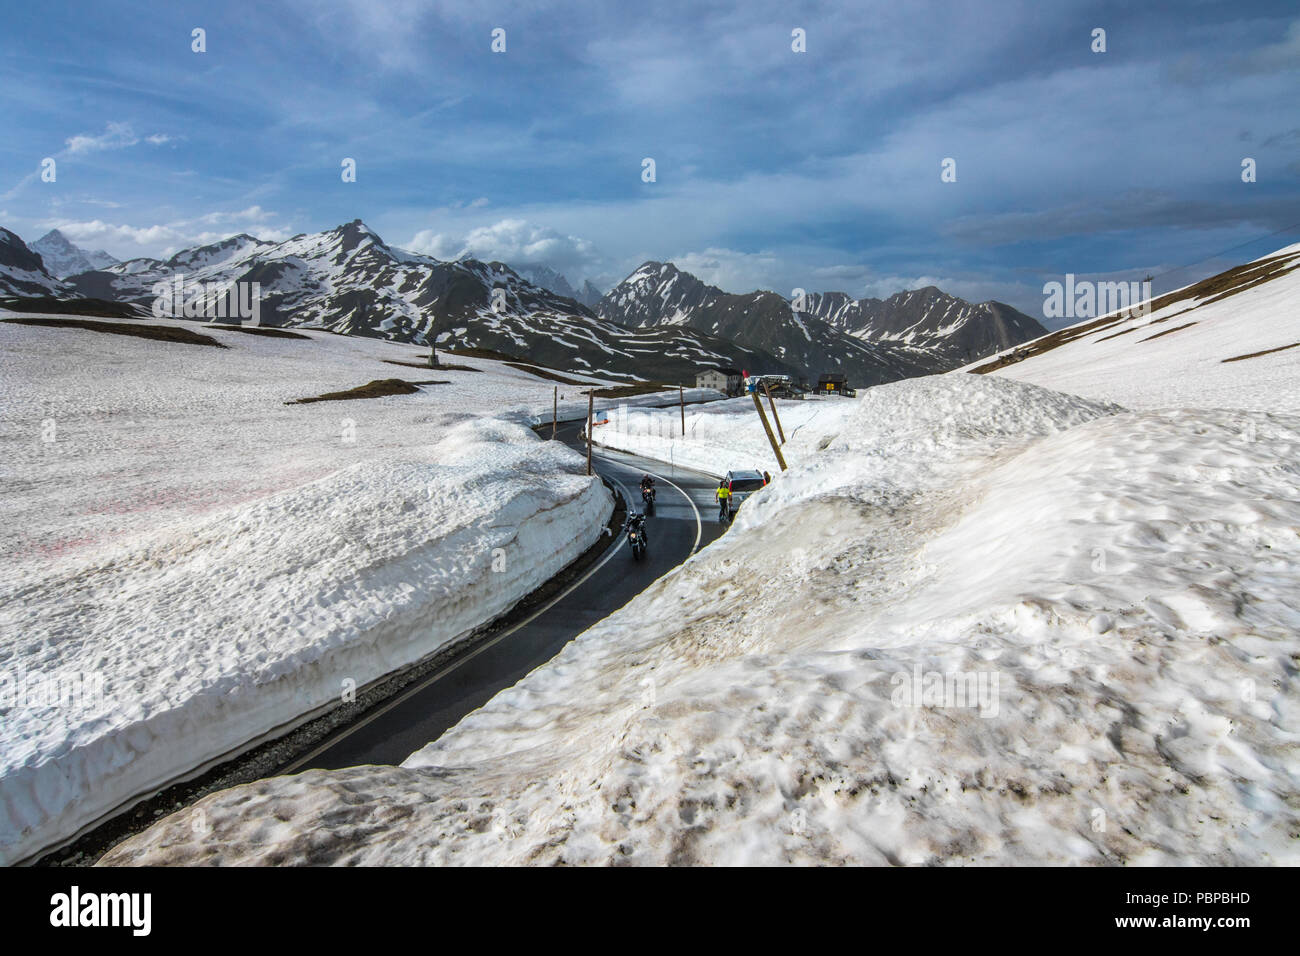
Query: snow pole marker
[[781, 431], [776, 449]]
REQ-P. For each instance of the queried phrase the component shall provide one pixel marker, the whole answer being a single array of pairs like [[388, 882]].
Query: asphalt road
[[685, 519]]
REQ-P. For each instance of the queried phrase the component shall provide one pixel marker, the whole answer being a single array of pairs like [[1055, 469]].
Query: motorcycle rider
[[723, 496], [636, 522], [647, 484]]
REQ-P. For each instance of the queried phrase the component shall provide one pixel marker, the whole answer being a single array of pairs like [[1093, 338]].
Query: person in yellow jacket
[[723, 497]]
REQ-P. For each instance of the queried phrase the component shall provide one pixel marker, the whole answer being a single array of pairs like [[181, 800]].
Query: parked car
[[742, 485]]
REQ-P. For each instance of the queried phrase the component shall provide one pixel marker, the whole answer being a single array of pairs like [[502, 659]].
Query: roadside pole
[[681, 400], [776, 449], [555, 411], [780, 431], [591, 403]]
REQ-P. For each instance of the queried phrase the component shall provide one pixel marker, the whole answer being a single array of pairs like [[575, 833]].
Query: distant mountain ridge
[[870, 340], [348, 280], [62, 258], [930, 319], [548, 278]]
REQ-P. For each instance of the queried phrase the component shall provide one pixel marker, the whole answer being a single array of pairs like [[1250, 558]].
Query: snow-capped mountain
[[659, 294], [345, 279], [548, 278], [348, 280], [909, 333], [590, 296], [22, 272], [62, 258], [930, 319]]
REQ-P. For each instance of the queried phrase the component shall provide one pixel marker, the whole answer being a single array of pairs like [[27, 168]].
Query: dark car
[[742, 485]]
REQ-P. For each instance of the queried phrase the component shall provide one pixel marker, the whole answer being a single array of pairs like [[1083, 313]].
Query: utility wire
[[1249, 242]]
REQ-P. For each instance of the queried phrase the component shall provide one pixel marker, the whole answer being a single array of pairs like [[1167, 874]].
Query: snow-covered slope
[[201, 562], [22, 273], [1030, 628], [1232, 340], [720, 437], [62, 258]]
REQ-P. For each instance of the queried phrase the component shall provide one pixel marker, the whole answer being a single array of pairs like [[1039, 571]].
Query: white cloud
[[164, 239], [251, 214], [734, 271], [115, 136], [513, 241], [1281, 56], [158, 139]]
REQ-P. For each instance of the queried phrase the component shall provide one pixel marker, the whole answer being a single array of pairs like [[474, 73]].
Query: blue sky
[[775, 169]]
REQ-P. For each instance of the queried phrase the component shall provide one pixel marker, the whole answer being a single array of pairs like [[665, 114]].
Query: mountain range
[[548, 278], [63, 259], [660, 323], [658, 294]]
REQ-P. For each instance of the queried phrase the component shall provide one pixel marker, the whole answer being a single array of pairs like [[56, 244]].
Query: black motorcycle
[[648, 499], [636, 536]]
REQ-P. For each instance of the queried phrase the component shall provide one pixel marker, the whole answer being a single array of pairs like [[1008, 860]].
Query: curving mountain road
[[685, 520]]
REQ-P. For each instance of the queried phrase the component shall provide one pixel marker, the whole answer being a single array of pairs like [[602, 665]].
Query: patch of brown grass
[[544, 373], [268, 331], [1250, 355], [376, 389], [440, 367], [627, 391], [1177, 328], [48, 305], [158, 333], [499, 357]]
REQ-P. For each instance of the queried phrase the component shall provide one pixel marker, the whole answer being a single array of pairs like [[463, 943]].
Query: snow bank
[[189, 563], [573, 405], [1030, 628], [721, 436]]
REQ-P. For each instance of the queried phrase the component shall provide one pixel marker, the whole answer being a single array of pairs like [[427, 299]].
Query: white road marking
[[699, 528], [464, 658]]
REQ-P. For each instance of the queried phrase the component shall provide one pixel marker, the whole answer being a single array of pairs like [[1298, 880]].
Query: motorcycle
[[636, 536], [648, 499]]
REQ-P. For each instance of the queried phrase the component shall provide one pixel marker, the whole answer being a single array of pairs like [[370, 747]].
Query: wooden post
[[681, 400], [555, 411], [591, 403], [776, 449], [780, 431]]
